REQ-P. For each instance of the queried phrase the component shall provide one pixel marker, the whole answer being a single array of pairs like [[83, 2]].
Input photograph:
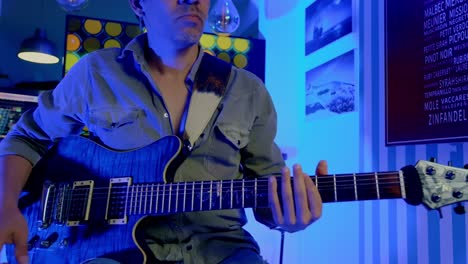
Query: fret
[[243, 196], [232, 191], [262, 193], [249, 193], [157, 198], [238, 193], [255, 193], [377, 185], [170, 196], [126, 200], [334, 187], [220, 193], [211, 193], [146, 198], [389, 185], [193, 194], [141, 198], [345, 187], [201, 196], [326, 188], [365, 184], [151, 198], [163, 198], [177, 198], [355, 188], [131, 199], [185, 196]]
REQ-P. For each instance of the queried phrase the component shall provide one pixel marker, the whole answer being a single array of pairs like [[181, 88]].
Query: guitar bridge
[[116, 211], [47, 204]]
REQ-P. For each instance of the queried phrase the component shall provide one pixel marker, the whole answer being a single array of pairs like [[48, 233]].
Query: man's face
[[181, 22]]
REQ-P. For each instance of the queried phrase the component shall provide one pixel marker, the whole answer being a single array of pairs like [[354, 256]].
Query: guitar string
[[323, 186], [260, 188], [323, 180]]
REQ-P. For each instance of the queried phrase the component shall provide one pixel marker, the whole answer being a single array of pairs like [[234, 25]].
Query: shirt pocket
[[118, 127], [222, 159]]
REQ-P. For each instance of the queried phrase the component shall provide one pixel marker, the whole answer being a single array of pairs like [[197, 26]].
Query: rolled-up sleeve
[[59, 114]]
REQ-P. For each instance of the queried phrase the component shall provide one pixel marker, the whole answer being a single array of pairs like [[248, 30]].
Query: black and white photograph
[[330, 88], [327, 21]]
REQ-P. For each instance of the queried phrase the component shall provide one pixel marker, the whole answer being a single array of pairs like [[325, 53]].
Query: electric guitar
[[94, 199]]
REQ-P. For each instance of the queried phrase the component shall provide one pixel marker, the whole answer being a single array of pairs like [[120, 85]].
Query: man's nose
[[189, 2]]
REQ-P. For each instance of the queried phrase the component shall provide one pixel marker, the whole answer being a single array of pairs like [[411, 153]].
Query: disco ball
[[72, 5]]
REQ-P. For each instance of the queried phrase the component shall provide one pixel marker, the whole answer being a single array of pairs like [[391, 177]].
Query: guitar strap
[[209, 88]]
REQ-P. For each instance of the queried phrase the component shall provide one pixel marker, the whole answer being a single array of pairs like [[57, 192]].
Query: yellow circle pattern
[[70, 60], [240, 61], [93, 26], [73, 42], [207, 41], [112, 43], [113, 29], [224, 43], [225, 57], [132, 31], [241, 45], [91, 44]]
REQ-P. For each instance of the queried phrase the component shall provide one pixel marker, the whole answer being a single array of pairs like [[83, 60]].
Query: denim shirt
[[111, 92]]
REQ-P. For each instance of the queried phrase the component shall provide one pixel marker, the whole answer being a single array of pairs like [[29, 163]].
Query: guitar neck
[[71, 204], [145, 199]]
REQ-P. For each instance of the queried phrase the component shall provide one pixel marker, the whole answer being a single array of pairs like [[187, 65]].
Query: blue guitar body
[[78, 159]]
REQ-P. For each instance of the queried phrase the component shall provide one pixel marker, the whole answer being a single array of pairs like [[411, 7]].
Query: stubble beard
[[188, 38]]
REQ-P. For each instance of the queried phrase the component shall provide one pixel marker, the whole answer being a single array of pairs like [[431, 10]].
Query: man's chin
[[188, 38]]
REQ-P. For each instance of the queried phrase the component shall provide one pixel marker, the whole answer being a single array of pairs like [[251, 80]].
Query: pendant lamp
[[38, 49]]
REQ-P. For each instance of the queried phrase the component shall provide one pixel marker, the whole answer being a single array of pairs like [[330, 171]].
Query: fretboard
[[144, 199]]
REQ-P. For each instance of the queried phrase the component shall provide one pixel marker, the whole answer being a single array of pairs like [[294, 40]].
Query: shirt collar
[[137, 46]]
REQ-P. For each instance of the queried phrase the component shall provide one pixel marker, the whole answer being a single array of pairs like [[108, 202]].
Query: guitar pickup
[[80, 202], [116, 209]]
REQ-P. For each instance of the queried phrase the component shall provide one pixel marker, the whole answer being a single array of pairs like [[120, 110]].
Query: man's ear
[[136, 7]]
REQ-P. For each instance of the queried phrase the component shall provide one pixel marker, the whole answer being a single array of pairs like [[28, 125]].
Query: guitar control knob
[[32, 242], [457, 194], [51, 239], [430, 170], [450, 175], [436, 198], [63, 243]]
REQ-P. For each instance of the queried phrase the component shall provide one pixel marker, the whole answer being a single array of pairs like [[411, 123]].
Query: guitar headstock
[[442, 185]]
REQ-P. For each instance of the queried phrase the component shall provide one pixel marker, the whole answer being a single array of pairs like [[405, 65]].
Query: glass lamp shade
[[224, 18], [72, 5], [38, 49]]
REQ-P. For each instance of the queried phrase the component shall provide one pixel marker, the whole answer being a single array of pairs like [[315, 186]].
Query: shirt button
[[166, 115]]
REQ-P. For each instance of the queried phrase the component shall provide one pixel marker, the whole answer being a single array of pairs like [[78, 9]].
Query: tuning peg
[[450, 175], [430, 170], [449, 163], [465, 166], [459, 209], [432, 159]]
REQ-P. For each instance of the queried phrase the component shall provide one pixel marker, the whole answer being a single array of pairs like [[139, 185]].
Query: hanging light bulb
[[224, 18], [72, 5]]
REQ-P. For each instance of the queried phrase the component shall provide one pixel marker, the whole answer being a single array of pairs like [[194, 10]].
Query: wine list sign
[[426, 71]]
